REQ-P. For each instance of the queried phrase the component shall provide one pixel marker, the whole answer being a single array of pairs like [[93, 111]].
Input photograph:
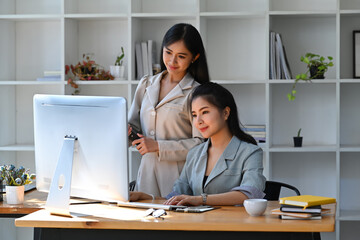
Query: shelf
[[239, 81], [349, 80], [320, 81], [31, 82], [350, 12], [102, 82], [31, 17], [349, 215], [303, 13], [304, 148], [233, 14], [93, 16], [18, 148], [164, 15], [345, 148]]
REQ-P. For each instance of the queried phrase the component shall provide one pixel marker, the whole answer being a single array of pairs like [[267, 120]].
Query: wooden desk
[[227, 222], [33, 201]]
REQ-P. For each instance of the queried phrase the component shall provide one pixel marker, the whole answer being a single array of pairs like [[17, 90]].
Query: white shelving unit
[[39, 35]]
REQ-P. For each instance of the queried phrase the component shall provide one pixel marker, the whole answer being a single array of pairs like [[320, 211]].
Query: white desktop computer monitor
[[100, 154]]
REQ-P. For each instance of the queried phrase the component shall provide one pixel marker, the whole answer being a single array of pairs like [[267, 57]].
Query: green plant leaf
[[303, 76], [289, 96], [293, 92], [306, 60]]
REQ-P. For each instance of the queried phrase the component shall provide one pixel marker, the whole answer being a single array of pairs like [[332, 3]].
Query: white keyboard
[[149, 205]]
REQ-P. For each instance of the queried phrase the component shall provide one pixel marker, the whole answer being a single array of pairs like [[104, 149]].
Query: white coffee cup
[[255, 207]]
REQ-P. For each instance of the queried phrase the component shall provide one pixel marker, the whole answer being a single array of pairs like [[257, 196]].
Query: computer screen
[[100, 162]]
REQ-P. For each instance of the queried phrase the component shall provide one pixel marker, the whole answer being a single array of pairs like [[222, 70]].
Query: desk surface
[[223, 219], [34, 201]]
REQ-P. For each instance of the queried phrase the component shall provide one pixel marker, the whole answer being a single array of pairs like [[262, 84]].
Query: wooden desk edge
[[270, 223]]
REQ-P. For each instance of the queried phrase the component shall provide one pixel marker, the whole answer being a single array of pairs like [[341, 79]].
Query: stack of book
[[303, 207], [145, 53], [256, 131], [279, 66], [50, 76]]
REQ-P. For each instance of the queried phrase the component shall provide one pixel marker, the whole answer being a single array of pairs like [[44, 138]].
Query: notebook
[[306, 200], [277, 211]]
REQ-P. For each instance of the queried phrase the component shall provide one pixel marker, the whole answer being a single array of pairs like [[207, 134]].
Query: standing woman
[[160, 111]]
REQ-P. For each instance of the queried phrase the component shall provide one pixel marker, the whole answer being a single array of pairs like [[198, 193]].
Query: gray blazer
[[170, 123], [239, 168]]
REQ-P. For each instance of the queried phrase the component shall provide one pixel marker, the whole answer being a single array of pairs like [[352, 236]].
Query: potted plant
[[298, 139], [117, 70], [86, 70], [316, 65], [14, 181]]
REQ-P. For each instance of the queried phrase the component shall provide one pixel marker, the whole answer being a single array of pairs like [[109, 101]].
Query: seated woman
[[227, 168]]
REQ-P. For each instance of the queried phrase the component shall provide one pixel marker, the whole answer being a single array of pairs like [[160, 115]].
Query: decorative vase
[[15, 194], [117, 72], [298, 141]]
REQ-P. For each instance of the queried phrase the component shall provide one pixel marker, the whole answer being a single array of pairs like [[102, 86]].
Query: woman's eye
[[182, 57], [168, 52], [205, 112], [194, 115]]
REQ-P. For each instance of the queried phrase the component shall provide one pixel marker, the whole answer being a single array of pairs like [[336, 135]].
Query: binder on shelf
[[144, 52], [272, 56], [284, 65], [306, 200], [139, 61], [151, 56], [279, 66]]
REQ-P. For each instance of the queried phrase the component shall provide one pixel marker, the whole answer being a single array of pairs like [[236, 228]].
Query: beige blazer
[[168, 122]]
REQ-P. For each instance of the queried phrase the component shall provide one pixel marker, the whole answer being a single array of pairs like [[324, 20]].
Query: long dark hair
[[220, 97], [193, 42]]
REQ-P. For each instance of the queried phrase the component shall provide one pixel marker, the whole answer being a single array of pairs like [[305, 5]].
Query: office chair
[[132, 185], [273, 189]]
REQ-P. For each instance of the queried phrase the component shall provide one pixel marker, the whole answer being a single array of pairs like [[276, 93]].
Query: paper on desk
[[108, 211]]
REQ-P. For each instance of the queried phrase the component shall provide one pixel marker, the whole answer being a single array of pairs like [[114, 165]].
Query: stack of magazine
[[279, 66], [303, 207], [257, 131]]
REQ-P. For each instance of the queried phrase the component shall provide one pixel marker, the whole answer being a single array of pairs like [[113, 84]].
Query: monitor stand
[[58, 200]]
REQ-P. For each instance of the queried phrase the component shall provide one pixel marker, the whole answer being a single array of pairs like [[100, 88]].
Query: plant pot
[[15, 194], [2, 191], [298, 141], [313, 72], [117, 72]]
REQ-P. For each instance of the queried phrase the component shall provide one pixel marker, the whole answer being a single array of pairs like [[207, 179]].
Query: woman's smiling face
[[207, 118], [177, 58]]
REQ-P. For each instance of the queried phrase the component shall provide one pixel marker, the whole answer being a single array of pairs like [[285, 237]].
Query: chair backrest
[[273, 189], [132, 186]]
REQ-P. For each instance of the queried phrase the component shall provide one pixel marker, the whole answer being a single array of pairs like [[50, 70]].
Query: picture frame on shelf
[[356, 52]]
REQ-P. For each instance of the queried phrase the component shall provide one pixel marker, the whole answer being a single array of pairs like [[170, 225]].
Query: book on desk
[[303, 207]]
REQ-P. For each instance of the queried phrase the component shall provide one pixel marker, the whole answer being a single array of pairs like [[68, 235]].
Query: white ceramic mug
[[255, 207]]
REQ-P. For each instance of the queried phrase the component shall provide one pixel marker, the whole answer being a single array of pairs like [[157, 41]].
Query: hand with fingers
[[184, 200], [145, 145]]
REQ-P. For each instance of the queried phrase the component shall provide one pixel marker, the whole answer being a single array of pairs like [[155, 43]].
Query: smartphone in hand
[[133, 136]]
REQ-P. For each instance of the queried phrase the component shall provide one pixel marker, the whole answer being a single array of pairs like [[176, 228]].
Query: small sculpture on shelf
[[86, 70], [317, 66], [117, 70], [298, 139]]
